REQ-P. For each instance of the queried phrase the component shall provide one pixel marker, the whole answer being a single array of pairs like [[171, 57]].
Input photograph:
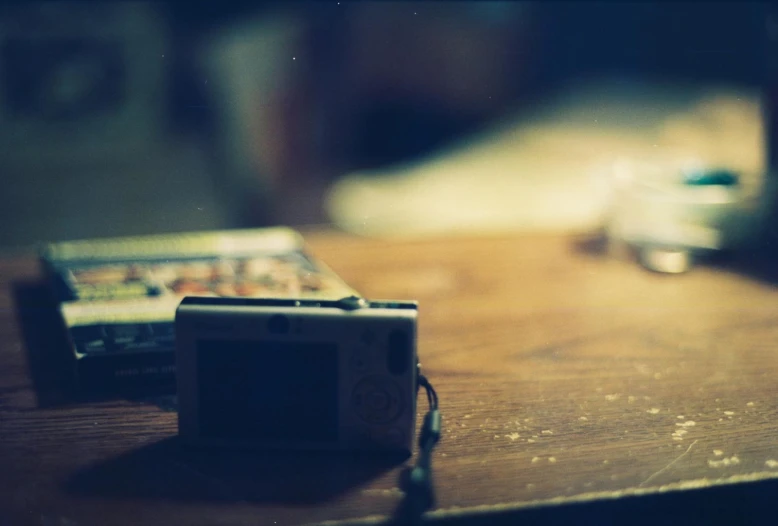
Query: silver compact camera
[[297, 374]]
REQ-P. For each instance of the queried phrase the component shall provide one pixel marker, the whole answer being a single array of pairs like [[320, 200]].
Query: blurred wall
[[86, 143]]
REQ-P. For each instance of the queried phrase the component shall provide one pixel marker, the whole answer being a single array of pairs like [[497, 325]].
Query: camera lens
[[278, 324]]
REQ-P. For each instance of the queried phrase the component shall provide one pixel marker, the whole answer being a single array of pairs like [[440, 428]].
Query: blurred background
[[385, 119]]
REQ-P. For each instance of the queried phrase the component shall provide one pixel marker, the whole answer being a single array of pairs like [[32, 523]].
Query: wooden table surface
[[563, 375]]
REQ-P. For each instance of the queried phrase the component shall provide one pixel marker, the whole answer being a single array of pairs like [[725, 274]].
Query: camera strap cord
[[419, 490]]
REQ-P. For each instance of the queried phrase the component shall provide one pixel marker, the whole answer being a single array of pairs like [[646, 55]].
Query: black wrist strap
[[417, 483]]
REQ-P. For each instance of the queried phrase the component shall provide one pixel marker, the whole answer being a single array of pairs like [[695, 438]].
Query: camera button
[[377, 400], [352, 303]]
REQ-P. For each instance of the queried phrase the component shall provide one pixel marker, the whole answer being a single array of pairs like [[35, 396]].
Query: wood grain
[[563, 376]]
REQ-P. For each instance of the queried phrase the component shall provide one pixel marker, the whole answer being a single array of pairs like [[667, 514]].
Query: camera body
[[297, 374]]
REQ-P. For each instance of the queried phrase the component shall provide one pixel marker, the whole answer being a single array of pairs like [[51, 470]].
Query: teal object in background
[[712, 177]]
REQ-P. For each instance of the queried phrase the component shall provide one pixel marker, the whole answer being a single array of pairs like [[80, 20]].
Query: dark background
[[369, 85], [678, 41]]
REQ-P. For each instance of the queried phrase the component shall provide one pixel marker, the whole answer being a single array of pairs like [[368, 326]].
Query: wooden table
[[564, 376]]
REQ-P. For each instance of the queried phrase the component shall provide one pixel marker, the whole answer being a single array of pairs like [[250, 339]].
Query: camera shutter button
[[352, 303]]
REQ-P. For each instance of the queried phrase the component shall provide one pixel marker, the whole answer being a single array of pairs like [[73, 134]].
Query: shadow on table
[[51, 362], [758, 265], [167, 470], [48, 355]]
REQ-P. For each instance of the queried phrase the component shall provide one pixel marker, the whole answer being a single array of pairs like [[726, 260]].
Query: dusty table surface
[[563, 376]]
